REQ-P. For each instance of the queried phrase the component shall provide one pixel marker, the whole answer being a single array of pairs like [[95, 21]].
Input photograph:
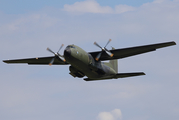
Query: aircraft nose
[[67, 52]]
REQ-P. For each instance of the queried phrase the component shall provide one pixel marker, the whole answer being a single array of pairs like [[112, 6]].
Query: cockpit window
[[71, 47]]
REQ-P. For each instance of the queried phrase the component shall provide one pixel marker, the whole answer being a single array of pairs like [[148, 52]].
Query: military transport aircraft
[[90, 64]]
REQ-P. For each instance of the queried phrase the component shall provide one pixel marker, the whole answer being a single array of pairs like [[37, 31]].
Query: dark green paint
[[83, 63]]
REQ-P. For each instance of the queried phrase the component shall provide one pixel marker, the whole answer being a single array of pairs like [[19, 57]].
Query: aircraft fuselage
[[83, 64]]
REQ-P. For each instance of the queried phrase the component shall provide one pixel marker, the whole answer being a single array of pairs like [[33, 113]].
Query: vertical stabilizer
[[114, 63]]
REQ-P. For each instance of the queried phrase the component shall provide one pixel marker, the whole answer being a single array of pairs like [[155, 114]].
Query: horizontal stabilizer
[[119, 75], [123, 75]]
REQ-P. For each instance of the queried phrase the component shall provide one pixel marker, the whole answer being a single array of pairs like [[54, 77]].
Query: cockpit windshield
[[70, 46]]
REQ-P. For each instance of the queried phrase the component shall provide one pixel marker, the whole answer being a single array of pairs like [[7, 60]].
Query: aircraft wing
[[131, 51], [38, 61]]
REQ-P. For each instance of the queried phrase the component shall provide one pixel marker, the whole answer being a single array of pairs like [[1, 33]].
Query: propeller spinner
[[103, 50], [56, 55]]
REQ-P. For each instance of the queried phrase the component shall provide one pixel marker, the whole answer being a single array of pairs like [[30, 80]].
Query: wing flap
[[37, 61], [131, 51]]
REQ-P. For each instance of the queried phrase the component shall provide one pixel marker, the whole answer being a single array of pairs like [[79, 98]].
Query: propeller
[[56, 55], [103, 50]]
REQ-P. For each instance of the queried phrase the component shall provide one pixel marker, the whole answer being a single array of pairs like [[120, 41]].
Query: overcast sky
[[28, 27]]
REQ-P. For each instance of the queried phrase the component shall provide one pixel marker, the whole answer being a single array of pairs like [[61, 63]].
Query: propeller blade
[[61, 57], [109, 53], [98, 45], [48, 49], [60, 47], [59, 54], [51, 62], [103, 49], [56, 55], [108, 42], [98, 56]]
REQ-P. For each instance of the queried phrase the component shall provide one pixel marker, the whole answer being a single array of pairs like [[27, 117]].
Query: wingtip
[[174, 43], [143, 74], [5, 61]]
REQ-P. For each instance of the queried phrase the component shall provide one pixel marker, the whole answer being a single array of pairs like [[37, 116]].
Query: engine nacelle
[[75, 73]]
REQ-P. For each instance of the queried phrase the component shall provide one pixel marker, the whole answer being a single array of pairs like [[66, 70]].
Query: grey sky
[[44, 92], [24, 6]]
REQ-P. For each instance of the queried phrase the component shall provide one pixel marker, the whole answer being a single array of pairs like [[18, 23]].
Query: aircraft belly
[[82, 66]]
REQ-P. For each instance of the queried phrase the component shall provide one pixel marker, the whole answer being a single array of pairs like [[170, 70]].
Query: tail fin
[[114, 63]]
